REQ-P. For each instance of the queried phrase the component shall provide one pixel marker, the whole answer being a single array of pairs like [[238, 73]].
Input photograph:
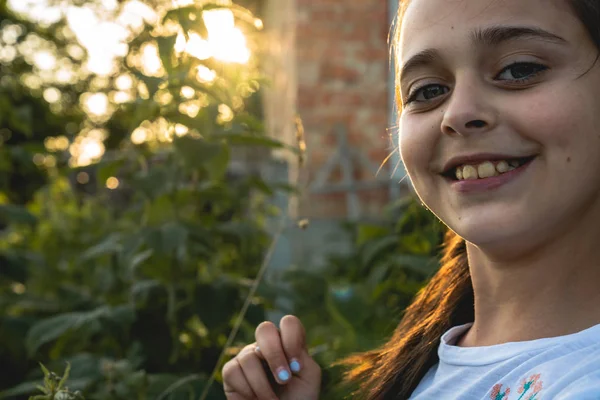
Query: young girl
[[500, 135]]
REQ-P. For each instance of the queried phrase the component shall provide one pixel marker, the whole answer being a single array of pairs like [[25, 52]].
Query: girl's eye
[[427, 93], [520, 71]]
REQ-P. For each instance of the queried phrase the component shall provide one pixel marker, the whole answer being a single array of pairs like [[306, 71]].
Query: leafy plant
[[136, 274], [133, 267], [54, 387], [354, 301]]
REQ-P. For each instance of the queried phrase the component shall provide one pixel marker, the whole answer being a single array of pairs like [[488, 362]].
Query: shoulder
[[587, 387]]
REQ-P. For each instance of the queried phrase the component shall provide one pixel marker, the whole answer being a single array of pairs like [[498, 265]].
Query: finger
[[293, 339], [273, 383], [293, 336], [256, 374], [269, 341], [236, 396], [234, 381]]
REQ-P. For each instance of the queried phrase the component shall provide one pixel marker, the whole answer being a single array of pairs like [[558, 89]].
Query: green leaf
[[220, 292], [44, 370], [367, 232], [196, 152], [140, 258], [252, 140], [110, 245], [54, 327], [183, 17], [375, 250], [16, 214], [151, 82], [21, 120], [173, 236], [106, 169], [166, 48], [122, 315], [217, 166], [421, 264], [178, 384], [260, 184], [65, 376], [20, 390], [142, 289]]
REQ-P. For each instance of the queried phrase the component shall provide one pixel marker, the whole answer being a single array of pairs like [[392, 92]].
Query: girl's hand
[[281, 369]]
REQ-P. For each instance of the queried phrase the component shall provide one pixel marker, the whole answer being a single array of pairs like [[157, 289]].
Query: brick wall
[[342, 71], [328, 63]]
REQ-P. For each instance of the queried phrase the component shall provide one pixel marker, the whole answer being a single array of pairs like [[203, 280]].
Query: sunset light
[[225, 42], [100, 32]]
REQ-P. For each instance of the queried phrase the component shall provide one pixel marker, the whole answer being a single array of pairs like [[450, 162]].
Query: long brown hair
[[393, 371]]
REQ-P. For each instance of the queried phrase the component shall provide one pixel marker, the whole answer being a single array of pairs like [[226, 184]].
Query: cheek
[[556, 122], [416, 144]]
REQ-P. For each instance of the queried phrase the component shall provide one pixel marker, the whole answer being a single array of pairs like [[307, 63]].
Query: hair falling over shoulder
[[394, 370]]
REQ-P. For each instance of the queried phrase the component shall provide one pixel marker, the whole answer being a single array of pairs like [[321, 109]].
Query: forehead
[[446, 23]]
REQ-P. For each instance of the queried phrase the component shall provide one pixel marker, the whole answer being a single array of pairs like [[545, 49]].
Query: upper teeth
[[485, 169]]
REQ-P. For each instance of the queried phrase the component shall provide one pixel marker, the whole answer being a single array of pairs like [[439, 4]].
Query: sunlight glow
[[59, 143], [206, 75], [151, 64], [52, 95], [120, 97], [139, 135], [181, 130], [44, 60], [225, 113], [190, 108], [103, 40], [232, 47], [124, 82], [225, 41], [104, 35], [95, 104], [187, 92], [219, 21], [112, 183], [197, 47], [17, 288], [87, 148]]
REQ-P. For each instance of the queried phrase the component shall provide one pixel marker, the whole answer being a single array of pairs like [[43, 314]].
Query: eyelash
[[538, 67]]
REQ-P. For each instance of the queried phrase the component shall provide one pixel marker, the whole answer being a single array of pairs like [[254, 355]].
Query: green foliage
[[133, 269], [54, 387], [136, 277], [354, 301]]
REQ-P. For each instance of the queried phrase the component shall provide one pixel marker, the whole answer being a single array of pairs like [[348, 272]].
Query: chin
[[493, 233]]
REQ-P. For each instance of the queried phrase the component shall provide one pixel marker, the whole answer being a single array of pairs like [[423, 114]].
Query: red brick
[[342, 65]]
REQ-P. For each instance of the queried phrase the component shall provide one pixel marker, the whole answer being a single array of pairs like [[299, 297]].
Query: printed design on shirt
[[528, 389]]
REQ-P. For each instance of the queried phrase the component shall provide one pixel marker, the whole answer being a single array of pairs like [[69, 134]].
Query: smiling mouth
[[485, 169]]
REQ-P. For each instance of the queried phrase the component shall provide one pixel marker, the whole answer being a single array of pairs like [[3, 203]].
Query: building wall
[[328, 63], [342, 68]]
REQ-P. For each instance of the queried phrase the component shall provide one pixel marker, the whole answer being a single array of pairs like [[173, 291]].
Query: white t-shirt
[[558, 368]]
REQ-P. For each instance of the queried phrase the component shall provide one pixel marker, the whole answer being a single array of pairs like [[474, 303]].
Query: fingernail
[[295, 365], [283, 375], [257, 349]]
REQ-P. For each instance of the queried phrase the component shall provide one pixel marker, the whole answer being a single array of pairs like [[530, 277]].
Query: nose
[[469, 111]]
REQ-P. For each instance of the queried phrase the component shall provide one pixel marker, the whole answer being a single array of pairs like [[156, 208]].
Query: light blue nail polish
[[295, 366], [283, 375]]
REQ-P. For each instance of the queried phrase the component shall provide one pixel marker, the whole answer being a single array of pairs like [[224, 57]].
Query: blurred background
[[174, 172]]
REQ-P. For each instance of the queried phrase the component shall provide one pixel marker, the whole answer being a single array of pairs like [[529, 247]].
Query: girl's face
[[500, 80]]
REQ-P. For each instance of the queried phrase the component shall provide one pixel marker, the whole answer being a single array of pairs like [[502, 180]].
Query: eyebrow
[[489, 37], [496, 35]]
